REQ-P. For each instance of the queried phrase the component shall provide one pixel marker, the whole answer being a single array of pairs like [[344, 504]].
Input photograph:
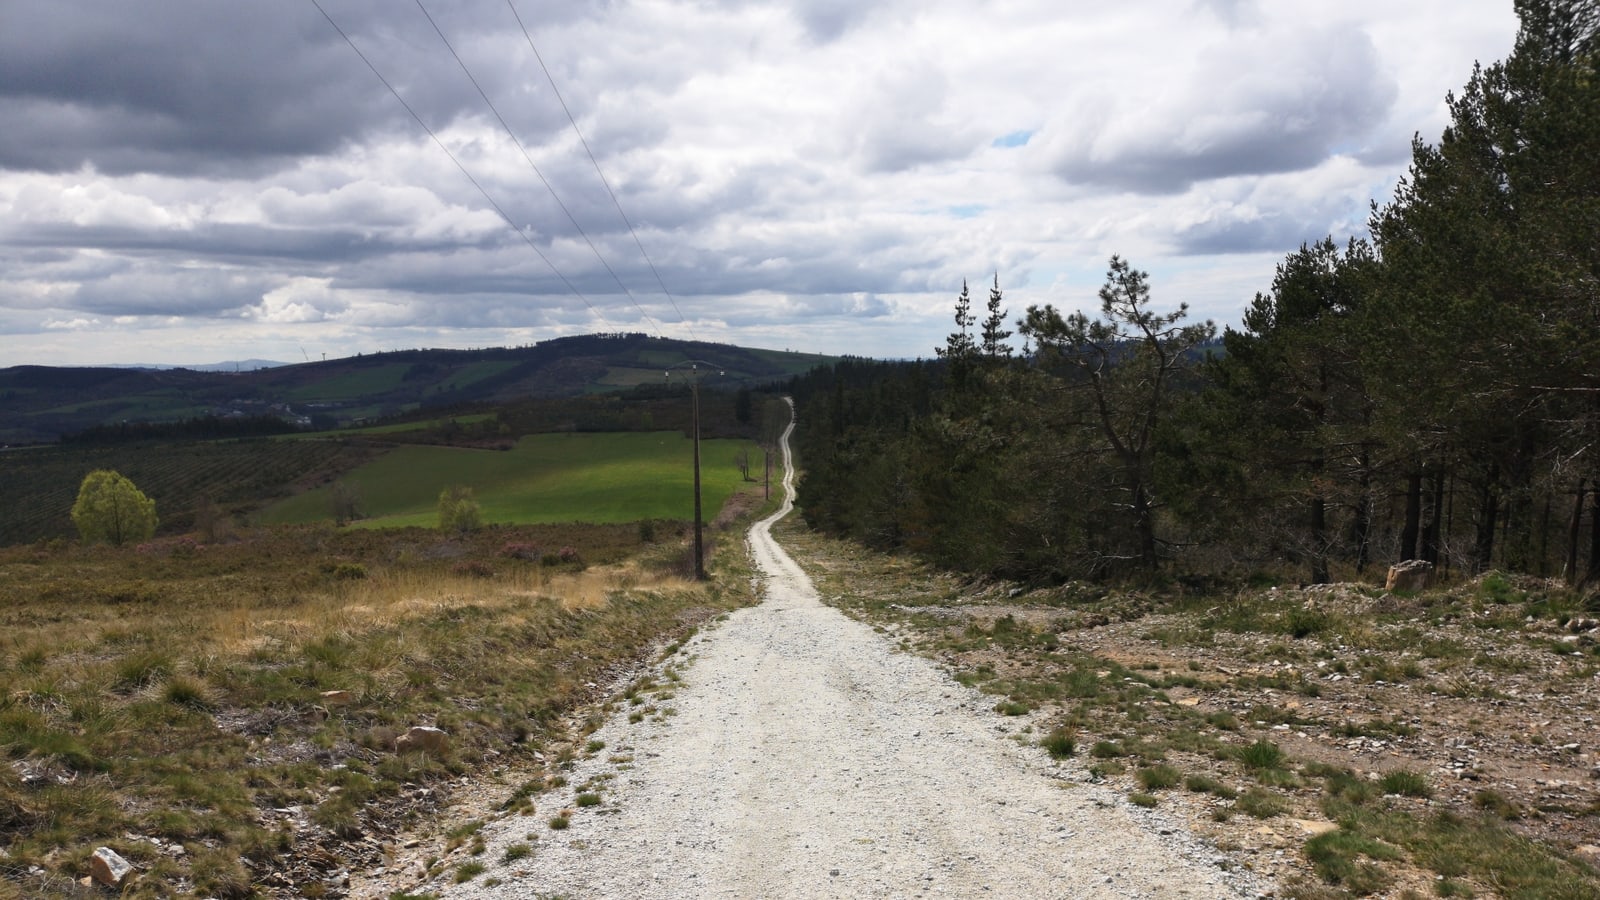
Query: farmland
[[599, 478], [38, 486]]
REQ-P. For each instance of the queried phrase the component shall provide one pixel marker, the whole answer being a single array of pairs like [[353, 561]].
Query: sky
[[188, 181]]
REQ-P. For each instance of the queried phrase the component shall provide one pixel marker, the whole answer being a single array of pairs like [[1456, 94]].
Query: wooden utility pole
[[694, 407], [699, 544]]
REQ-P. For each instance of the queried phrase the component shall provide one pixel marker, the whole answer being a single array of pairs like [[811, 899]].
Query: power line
[[596, 163], [447, 152], [529, 159]]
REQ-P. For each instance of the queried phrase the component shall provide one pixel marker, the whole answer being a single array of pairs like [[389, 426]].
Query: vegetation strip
[[1241, 715]]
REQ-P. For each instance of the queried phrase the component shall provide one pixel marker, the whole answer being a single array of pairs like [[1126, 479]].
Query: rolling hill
[[39, 404]]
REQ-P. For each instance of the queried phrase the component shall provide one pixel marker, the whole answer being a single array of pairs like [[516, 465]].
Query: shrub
[[111, 509], [348, 571], [520, 550], [458, 510]]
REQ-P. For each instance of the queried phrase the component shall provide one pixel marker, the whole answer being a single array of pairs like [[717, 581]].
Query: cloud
[[230, 180], [1281, 101], [1277, 213]]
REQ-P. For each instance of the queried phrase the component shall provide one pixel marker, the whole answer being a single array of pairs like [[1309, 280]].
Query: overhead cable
[[475, 183], [603, 180], [529, 159]]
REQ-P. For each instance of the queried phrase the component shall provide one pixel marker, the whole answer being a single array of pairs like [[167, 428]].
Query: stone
[[1409, 575], [1314, 827], [422, 739], [108, 868], [337, 698]]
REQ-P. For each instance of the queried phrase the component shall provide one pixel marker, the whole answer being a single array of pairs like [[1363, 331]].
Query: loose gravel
[[806, 757]]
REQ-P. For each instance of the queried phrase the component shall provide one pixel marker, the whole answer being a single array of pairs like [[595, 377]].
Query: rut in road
[[808, 758]]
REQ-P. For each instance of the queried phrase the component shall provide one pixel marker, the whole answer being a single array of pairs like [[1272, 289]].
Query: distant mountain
[[236, 365], [40, 403]]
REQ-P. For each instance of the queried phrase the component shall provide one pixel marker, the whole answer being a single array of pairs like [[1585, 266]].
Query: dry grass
[[175, 693]]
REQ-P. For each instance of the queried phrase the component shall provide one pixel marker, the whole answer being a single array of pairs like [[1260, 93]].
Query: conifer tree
[[994, 330]]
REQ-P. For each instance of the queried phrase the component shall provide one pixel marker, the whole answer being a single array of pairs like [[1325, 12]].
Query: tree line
[[1431, 391]]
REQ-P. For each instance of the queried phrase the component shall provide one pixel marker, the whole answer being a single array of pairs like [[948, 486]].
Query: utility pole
[[699, 541], [694, 407]]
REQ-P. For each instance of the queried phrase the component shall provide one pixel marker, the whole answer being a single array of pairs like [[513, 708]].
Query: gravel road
[[809, 758]]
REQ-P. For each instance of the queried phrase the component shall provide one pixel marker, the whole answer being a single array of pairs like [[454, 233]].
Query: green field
[[362, 382], [398, 428], [599, 478]]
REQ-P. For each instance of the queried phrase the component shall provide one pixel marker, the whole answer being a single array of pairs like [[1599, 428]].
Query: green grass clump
[[1261, 755], [467, 871], [1144, 800], [1205, 784], [588, 798], [560, 823], [1336, 857], [1158, 777], [1405, 783], [516, 852], [1059, 743], [1260, 803]]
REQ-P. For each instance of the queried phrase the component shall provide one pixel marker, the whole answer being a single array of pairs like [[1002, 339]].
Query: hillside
[[39, 404]]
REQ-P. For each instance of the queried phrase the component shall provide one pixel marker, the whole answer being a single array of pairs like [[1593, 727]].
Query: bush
[[458, 510], [111, 509]]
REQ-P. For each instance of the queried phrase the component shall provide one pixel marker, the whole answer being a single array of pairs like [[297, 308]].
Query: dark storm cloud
[[828, 20], [201, 87], [233, 244], [208, 293], [1284, 103]]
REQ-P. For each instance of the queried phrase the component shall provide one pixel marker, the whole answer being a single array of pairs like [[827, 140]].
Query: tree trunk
[[1574, 527], [1144, 520], [1319, 540], [1432, 539], [1413, 526], [1593, 574], [1362, 528], [1488, 521]]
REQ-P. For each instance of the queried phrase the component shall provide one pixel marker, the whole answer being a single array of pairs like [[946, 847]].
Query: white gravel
[[809, 758]]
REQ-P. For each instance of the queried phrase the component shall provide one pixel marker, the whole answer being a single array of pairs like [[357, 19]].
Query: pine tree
[[994, 330], [1126, 361], [959, 345]]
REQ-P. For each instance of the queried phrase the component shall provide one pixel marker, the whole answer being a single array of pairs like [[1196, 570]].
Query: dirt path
[[802, 756]]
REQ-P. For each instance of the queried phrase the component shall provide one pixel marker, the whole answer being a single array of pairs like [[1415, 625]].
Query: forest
[[1429, 391]]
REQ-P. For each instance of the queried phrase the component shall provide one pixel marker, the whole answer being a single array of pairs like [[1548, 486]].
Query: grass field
[[397, 428], [598, 478], [362, 382]]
